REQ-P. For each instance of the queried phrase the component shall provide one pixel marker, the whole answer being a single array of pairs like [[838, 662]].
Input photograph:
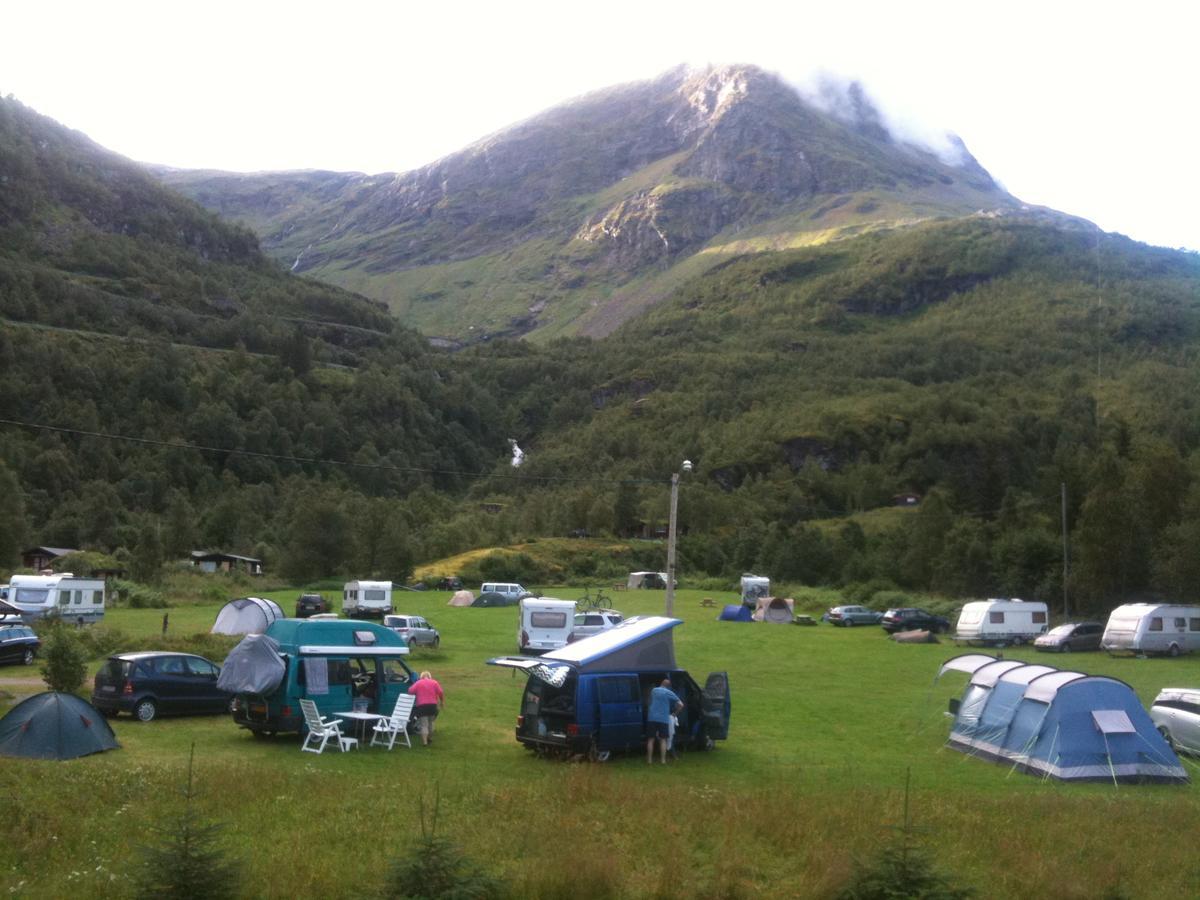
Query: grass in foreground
[[825, 723]]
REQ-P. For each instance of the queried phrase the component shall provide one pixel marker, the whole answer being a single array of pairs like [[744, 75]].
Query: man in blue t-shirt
[[663, 703]]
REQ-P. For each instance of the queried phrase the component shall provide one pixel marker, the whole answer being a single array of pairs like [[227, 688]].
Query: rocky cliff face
[[613, 185]]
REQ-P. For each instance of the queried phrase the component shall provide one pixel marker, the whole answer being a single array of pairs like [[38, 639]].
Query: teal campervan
[[338, 664]]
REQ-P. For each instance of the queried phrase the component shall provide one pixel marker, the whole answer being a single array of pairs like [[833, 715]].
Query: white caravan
[[1001, 622], [1152, 628], [73, 599], [544, 624], [367, 599]]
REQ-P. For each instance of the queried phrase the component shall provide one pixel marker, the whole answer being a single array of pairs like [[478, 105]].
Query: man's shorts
[[659, 730]]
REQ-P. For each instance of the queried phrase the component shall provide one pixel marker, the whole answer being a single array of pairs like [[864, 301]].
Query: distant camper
[[1001, 622], [367, 599], [74, 599], [544, 624], [1152, 628]]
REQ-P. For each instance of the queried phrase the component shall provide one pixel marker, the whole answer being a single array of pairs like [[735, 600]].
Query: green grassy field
[[825, 723]]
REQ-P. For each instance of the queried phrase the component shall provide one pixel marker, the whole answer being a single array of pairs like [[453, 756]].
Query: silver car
[[415, 630], [594, 621], [849, 616], [1176, 714]]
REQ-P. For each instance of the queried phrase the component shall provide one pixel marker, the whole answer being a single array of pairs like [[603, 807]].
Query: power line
[[311, 460]]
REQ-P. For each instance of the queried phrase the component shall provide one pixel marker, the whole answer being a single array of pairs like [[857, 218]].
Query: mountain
[[580, 218]]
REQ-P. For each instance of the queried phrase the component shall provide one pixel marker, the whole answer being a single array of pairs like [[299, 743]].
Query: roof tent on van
[[1063, 725], [246, 615], [634, 645]]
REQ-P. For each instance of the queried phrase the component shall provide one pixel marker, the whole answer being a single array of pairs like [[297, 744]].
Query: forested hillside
[[163, 386]]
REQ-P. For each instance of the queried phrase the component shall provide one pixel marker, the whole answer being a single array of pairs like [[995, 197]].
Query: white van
[[73, 599], [544, 624], [509, 591], [1001, 622], [1152, 628], [367, 599]]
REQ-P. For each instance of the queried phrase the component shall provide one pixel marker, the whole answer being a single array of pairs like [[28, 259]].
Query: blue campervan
[[338, 664], [591, 697]]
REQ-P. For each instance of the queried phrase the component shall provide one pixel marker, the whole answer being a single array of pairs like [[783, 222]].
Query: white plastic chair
[[320, 729], [387, 730]]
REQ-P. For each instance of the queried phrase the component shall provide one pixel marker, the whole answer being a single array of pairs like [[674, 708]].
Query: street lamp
[[687, 467]]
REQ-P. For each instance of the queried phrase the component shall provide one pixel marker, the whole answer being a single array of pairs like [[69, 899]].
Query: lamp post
[[687, 467]]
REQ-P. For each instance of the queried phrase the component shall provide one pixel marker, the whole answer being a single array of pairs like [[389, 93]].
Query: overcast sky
[[1089, 108]]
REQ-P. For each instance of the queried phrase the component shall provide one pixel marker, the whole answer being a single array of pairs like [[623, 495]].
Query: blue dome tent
[[1063, 725], [736, 612], [55, 726]]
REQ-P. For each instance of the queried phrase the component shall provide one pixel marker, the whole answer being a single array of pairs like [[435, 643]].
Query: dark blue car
[[18, 644], [157, 683], [591, 697]]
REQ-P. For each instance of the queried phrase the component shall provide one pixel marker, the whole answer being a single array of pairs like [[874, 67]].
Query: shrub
[[65, 660], [898, 871]]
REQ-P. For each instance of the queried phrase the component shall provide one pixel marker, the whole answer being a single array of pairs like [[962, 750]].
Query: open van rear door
[[550, 673], [716, 706]]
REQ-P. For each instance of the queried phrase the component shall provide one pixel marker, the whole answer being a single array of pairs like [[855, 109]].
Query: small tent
[[461, 598], [774, 609], [736, 612], [655, 581], [491, 598], [1063, 725], [55, 726], [246, 615]]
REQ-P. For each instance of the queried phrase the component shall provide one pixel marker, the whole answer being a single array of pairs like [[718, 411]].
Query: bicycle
[[600, 600]]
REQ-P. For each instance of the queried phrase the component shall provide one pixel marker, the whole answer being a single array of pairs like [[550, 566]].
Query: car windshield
[[1061, 631]]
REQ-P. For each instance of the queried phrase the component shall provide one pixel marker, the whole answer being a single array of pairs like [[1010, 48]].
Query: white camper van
[[367, 599], [1152, 628], [1001, 622], [544, 624], [74, 599]]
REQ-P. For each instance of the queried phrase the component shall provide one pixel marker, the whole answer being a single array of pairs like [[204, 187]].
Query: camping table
[[360, 720]]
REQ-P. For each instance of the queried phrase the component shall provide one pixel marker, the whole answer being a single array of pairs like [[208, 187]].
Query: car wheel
[[437, 642], [849, 623], [1017, 642], [1174, 650], [146, 710], [1066, 648], [1167, 737], [28, 657], [595, 754]]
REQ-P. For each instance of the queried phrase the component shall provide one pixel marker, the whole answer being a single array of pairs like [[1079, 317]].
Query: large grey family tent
[[1064, 725], [461, 598], [736, 612], [55, 726], [775, 609], [246, 615]]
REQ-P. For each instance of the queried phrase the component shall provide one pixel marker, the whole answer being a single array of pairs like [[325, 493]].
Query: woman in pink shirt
[[429, 697]]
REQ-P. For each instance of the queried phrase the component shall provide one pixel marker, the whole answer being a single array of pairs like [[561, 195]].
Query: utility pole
[[671, 545], [1066, 554]]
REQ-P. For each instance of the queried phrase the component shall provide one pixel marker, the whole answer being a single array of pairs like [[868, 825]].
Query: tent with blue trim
[[1058, 724]]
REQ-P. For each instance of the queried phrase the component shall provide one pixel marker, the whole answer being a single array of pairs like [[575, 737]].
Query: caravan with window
[[544, 624], [367, 599], [73, 599], [1001, 622], [1145, 628]]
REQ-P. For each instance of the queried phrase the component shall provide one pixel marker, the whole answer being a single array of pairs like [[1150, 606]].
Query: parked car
[[910, 618], [414, 629], [311, 605], [854, 615], [1176, 714], [153, 683], [18, 644], [510, 591], [1071, 636], [593, 622], [453, 583]]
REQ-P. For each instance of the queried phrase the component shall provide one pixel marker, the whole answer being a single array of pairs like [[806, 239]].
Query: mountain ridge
[[568, 221]]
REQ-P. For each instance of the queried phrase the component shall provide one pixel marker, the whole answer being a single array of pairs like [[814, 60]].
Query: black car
[[912, 619], [310, 605], [18, 644], [453, 583], [157, 683]]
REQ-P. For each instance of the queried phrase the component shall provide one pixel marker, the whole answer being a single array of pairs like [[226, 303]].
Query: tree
[[13, 525], [188, 862], [64, 663], [147, 555]]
